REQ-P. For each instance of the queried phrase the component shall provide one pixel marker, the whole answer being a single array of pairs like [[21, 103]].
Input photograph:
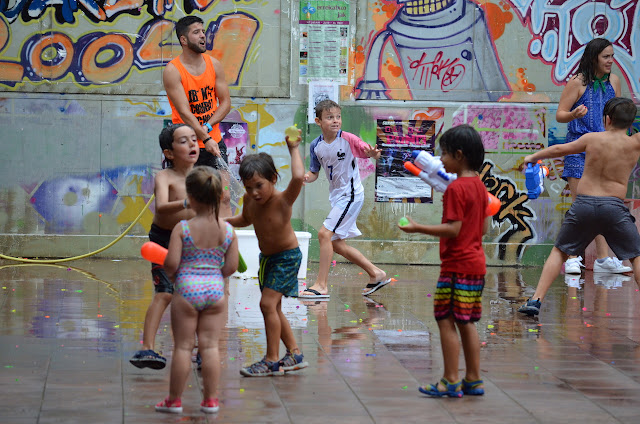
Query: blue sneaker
[[532, 307], [148, 359], [292, 362], [262, 368]]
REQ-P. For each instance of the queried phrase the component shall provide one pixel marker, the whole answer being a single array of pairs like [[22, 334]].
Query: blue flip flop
[[453, 390]]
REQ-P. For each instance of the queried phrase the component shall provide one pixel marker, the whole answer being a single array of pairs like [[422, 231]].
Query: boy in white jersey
[[336, 151]]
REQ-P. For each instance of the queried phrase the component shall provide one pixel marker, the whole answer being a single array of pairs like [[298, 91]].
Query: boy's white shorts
[[342, 218]]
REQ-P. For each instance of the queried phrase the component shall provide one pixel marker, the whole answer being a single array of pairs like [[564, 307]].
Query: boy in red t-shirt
[[458, 296]]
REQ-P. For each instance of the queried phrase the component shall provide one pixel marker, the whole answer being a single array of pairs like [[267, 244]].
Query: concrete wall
[[82, 103]]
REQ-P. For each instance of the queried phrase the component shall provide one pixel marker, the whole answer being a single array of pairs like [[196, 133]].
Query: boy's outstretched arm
[[448, 229], [297, 170], [558, 150]]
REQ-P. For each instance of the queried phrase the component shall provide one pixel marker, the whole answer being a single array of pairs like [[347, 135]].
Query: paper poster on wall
[[398, 139], [319, 91], [324, 40]]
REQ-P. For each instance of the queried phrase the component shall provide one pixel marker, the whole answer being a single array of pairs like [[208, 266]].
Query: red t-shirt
[[465, 199]]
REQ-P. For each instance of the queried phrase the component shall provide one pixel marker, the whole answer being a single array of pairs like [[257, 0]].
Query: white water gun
[[430, 170]]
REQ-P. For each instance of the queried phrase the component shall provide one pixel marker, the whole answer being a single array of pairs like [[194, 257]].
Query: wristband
[[185, 204], [208, 126], [205, 140]]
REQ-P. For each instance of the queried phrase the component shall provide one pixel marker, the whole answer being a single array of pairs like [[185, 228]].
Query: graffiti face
[[443, 48]]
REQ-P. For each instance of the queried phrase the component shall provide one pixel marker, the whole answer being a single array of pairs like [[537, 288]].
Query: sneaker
[[609, 280], [610, 265], [210, 406], [292, 362], [573, 265], [262, 368], [148, 359], [175, 407], [532, 307]]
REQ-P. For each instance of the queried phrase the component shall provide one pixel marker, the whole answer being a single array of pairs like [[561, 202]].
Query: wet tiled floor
[[67, 333]]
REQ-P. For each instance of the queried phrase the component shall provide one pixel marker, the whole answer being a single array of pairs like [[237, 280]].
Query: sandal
[[453, 390], [471, 387]]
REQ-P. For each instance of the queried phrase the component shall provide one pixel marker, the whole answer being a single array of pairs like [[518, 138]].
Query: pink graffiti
[[448, 71], [503, 124]]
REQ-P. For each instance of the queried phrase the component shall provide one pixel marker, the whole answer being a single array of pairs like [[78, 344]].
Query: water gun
[[430, 170], [534, 179], [156, 254]]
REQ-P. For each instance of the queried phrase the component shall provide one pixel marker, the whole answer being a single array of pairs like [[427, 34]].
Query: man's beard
[[196, 47]]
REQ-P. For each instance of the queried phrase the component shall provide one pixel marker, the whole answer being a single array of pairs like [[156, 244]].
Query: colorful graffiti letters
[[100, 58], [513, 210], [562, 28]]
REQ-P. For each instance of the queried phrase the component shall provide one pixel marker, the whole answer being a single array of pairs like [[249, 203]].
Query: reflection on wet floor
[[67, 333]]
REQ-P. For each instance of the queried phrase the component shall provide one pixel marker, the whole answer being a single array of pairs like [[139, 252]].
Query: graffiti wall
[[82, 103]]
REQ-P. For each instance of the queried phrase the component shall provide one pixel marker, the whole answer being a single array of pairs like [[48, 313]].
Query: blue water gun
[[534, 179]]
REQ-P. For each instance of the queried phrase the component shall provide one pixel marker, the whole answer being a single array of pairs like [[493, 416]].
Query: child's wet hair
[[261, 164], [166, 141], [622, 112], [325, 105], [466, 139], [205, 186]]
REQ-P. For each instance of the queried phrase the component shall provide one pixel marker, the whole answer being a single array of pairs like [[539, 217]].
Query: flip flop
[[372, 287], [314, 295]]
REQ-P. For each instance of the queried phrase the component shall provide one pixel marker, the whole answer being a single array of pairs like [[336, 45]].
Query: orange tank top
[[201, 94]]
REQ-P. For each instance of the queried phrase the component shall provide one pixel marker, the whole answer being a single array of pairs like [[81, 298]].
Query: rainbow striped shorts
[[460, 295]]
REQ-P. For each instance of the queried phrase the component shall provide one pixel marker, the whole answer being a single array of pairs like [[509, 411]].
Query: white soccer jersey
[[338, 159]]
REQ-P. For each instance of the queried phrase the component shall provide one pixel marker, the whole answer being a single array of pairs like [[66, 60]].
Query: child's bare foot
[[380, 275]]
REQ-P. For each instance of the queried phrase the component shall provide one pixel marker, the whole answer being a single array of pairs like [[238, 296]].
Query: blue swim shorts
[[279, 271]]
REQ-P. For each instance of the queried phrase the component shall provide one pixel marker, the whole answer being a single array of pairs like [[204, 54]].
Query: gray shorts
[[593, 215]]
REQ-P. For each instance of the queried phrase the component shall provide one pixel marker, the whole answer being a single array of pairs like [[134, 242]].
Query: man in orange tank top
[[197, 90]]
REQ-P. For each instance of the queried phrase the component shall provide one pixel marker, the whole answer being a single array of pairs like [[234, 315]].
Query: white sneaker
[[610, 265], [573, 265], [572, 280], [609, 280]]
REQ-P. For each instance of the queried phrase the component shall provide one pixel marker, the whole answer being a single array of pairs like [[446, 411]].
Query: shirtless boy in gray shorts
[[611, 155]]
